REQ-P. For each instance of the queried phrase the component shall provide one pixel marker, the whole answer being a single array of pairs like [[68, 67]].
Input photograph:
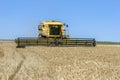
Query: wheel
[[94, 43], [20, 46]]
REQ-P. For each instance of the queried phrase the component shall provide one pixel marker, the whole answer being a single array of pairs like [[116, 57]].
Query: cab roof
[[52, 22]]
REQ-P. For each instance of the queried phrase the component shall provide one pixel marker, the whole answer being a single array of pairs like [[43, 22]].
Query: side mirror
[[66, 25], [38, 27]]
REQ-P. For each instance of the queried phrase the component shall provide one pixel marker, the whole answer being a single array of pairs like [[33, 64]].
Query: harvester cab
[[52, 29], [53, 33]]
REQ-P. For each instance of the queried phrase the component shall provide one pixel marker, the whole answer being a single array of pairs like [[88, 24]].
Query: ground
[[59, 63]]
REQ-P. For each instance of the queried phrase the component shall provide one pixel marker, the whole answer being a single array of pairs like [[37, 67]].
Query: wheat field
[[59, 63]]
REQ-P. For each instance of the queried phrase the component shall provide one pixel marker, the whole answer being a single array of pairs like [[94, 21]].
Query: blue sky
[[99, 19]]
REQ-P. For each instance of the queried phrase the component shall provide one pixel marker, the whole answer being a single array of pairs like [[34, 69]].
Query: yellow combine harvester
[[52, 33]]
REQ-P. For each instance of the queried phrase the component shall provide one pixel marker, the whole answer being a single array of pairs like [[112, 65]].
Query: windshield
[[55, 29]]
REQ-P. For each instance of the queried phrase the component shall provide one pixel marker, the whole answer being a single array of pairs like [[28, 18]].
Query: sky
[[99, 19]]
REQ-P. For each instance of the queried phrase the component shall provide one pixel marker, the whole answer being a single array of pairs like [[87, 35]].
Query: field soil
[[59, 63]]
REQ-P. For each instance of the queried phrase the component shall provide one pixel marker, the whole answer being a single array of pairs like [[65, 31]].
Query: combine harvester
[[53, 33]]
